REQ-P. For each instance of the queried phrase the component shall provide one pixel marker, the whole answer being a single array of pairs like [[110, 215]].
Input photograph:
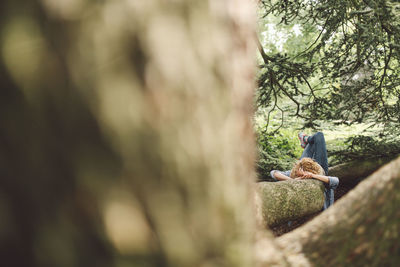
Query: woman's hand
[[308, 175], [304, 174]]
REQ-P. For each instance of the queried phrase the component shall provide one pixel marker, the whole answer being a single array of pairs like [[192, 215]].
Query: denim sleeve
[[333, 182], [287, 173]]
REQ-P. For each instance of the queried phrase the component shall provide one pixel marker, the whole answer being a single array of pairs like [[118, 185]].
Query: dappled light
[[24, 51], [125, 224]]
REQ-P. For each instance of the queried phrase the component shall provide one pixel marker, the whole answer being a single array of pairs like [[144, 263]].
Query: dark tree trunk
[[353, 172]]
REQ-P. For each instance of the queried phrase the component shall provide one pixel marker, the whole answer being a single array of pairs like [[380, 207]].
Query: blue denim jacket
[[329, 188]]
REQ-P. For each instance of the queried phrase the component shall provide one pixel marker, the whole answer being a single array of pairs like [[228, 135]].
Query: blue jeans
[[316, 149]]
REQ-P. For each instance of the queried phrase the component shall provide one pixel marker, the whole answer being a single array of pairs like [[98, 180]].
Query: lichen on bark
[[288, 200]]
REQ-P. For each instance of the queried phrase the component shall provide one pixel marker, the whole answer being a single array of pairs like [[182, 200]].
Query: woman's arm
[[308, 175], [322, 178], [280, 176]]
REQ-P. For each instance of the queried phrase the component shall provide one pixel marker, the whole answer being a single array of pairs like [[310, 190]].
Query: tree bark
[[351, 173], [288, 200], [361, 229]]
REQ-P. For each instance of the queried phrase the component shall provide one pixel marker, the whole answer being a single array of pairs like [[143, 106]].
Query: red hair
[[308, 165]]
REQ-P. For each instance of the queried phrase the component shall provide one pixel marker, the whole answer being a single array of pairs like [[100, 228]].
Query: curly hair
[[307, 164]]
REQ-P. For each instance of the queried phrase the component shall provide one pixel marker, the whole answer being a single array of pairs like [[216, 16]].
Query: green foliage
[[342, 71], [362, 146], [276, 150], [279, 147], [344, 67]]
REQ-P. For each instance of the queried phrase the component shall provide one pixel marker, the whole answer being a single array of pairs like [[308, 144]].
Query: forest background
[[328, 66]]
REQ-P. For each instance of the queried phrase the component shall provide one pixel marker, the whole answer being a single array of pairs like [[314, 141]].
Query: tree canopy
[[347, 73]]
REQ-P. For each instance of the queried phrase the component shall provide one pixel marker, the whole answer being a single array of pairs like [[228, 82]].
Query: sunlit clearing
[[274, 36], [297, 29]]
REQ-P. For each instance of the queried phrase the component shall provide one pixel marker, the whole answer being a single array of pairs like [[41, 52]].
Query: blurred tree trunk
[[127, 135]]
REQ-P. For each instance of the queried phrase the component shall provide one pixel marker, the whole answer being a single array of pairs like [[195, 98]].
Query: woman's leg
[[316, 149]]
